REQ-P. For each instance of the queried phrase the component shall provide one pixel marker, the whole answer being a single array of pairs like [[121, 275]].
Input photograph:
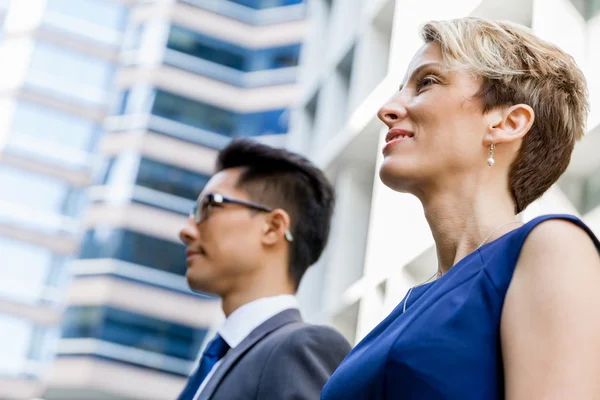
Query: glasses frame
[[217, 199]]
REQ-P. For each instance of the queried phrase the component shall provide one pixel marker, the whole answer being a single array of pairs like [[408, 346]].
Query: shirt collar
[[248, 317]]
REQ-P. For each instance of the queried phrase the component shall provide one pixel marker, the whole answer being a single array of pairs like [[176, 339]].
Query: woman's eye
[[426, 81]]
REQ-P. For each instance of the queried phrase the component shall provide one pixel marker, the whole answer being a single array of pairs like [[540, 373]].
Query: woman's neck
[[461, 219]]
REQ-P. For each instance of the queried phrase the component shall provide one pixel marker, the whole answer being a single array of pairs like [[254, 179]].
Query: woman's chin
[[397, 177]]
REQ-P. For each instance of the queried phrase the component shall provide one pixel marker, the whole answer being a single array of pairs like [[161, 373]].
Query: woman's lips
[[395, 137]]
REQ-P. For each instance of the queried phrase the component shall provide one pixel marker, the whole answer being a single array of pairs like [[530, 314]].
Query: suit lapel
[[277, 321]]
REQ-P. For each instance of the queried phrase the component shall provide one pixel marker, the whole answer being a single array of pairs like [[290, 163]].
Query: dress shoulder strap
[[528, 227], [500, 259]]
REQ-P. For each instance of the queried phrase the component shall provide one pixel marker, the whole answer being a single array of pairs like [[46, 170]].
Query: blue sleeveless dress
[[447, 343]]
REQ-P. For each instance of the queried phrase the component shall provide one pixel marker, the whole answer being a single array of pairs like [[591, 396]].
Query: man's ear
[[277, 227], [508, 124]]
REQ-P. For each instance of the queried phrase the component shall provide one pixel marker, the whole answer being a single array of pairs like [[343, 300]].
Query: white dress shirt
[[245, 319]]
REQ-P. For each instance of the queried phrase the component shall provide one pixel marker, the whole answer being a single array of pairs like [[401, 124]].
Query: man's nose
[[189, 232]]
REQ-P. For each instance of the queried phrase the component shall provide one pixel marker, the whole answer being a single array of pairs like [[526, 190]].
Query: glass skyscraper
[[59, 60], [112, 114]]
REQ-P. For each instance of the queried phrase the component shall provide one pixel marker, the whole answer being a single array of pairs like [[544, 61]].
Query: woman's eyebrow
[[420, 68]]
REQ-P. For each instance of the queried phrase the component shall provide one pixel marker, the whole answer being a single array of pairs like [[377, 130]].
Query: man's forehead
[[223, 182]]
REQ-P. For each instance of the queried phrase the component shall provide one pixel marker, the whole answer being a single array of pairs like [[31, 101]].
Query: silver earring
[[491, 160], [288, 236]]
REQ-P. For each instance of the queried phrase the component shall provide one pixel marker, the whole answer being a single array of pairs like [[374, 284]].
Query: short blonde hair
[[516, 67]]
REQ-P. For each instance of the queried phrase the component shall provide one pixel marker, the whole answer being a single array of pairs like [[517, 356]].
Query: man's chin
[[199, 285]]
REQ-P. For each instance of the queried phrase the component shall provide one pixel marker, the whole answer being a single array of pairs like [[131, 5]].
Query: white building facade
[[381, 244]]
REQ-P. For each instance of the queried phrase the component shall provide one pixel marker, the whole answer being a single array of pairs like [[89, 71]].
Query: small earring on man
[[491, 160]]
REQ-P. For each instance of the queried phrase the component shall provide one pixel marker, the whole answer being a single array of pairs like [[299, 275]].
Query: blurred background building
[[111, 113], [59, 60], [354, 60]]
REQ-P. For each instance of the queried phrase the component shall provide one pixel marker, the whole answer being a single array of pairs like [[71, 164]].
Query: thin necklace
[[411, 289], [439, 275], [494, 231]]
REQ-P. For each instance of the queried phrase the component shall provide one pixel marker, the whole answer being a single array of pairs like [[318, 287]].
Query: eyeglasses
[[204, 206]]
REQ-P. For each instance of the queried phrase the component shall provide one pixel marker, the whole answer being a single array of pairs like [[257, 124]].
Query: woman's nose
[[391, 112]]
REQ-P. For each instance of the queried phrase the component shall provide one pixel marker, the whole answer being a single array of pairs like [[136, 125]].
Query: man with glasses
[[258, 224]]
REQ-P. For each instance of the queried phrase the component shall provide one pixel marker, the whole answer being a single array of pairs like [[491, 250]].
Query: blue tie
[[215, 350]]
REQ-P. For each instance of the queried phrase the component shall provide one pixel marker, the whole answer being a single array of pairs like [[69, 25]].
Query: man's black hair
[[279, 178]]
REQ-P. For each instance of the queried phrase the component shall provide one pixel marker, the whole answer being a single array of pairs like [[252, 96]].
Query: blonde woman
[[483, 124]]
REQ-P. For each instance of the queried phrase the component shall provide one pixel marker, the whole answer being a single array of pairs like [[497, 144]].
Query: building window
[[38, 192], [133, 37], [27, 270], [194, 113], [285, 59], [134, 247], [134, 330], [108, 14], [162, 177], [214, 119], [593, 8], [118, 104], [70, 73], [197, 45], [272, 122], [50, 125], [23, 342], [587, 8], [16, 334], [170, 179], [263, 4], [230, 55], [135, 100]]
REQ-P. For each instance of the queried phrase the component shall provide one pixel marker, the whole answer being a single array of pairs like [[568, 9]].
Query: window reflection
[[132, 329], [195, 44], [262, 4], [170, 179], [70, 72], [272, 122], [593, 8], [229, 54], [14, 344], [21, 342], [200, 115], [134, 247], [27, 270], [54, 126], [38, 192], [587, 8], [158, 176], [108, 14], [133, 37], [194, 113]]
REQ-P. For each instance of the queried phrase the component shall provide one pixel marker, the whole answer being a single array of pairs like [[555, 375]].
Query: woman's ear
[[509, 124]]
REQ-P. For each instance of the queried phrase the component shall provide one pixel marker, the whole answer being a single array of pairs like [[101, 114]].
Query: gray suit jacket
[[282, 359]]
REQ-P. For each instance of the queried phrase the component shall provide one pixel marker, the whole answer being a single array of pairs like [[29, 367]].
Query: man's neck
[[270, 278], [232, 301]]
